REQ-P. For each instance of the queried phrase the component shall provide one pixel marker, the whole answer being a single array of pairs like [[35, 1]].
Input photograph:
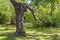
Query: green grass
[[41, 33]]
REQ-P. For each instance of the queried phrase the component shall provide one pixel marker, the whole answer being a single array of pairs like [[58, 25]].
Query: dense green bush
[[6, 11], [57, 18], [2, 18]]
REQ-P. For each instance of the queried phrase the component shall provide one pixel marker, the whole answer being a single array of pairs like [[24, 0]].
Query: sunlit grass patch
[[3, 37]]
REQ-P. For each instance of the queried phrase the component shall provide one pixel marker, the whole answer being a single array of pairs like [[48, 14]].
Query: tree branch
[[13, 2], [32, 12]]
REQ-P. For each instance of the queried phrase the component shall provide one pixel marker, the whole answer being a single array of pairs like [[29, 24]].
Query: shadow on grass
[[42, 29], [6, 25], [9, 36], [39, 29]]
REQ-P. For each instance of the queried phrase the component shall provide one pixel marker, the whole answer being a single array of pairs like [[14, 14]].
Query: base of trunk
[[21, 33]]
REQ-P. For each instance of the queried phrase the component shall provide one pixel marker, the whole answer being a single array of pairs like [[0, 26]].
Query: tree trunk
[[19, 10], [19, 24]]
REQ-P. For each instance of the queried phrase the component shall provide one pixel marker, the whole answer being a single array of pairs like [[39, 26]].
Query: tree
[[20, 8]]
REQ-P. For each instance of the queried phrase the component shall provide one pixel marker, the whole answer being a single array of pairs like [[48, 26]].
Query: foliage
[[6, 11], [48, 11]]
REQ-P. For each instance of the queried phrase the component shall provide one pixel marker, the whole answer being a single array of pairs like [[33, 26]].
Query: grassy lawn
[[41, 33]]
